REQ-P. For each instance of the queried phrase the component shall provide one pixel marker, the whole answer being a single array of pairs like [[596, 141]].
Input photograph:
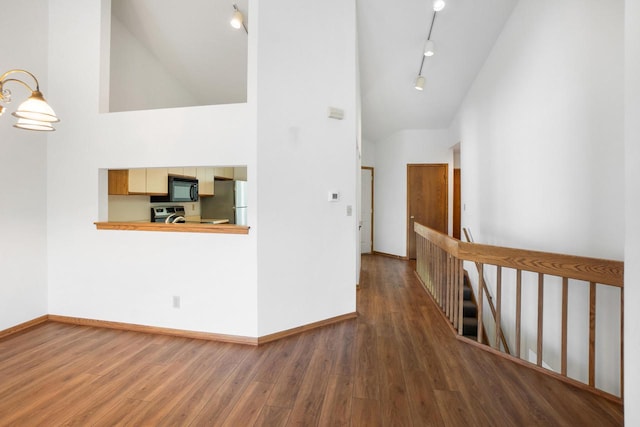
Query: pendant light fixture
[[429, 46], [32, 114], [33, 125]]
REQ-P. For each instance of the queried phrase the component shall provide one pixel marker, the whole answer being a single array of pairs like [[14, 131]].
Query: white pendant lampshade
[[28, 124], [429, 48], [35, 108], [236, 19], [438, 5], [420, 83], [32, 114]]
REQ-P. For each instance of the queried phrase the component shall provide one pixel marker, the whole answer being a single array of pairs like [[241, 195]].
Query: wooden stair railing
[[496, 315], [439, 266]]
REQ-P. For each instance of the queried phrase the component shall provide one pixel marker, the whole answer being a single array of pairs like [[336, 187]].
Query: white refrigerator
[[229, 202]]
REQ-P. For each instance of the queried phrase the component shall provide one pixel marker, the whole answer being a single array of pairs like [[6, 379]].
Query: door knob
[[412, 217]]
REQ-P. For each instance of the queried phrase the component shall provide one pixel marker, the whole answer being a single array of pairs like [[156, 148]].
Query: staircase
[[440, 268], [469, 310]]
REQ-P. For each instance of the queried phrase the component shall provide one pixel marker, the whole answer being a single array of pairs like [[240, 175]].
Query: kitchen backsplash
[[138, 208]]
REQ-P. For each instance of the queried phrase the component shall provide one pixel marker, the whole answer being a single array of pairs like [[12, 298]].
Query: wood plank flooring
[[397, 364]]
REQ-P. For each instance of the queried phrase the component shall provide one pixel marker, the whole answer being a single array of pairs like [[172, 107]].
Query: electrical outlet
[[176, 301]]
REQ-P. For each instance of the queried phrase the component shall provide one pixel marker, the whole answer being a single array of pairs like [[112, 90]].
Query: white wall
[[294, 156], [307, 247], [23, 282], [541, 131], [139, 90], [632, 248], [368, 153], [392, 155], [542, 150], [132, 276]]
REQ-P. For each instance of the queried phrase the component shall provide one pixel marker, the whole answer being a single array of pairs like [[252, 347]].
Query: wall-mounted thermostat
[[334, 196]]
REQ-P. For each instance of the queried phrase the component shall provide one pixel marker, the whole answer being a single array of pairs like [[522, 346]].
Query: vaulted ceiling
[[194, 40], [391, 36]]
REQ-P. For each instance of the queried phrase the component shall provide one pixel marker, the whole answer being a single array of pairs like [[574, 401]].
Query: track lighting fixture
[[429, 46], [32, 114], [237, 19]]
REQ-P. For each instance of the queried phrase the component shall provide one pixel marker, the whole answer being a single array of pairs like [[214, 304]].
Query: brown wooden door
[[457, 211], [427, 200]]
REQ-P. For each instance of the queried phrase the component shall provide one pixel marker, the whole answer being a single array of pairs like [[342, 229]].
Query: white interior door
[[366, 211]]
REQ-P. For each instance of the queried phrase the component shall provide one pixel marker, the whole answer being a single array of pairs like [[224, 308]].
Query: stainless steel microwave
[[181, 189]]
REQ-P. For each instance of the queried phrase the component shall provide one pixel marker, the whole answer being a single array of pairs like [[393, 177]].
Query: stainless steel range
[[167, 214]]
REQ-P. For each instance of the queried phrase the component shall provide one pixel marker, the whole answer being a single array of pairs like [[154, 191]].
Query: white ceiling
[[195, 42], [391, 37]]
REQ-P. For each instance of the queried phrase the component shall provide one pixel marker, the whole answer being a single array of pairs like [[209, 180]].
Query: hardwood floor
[[397, 364]]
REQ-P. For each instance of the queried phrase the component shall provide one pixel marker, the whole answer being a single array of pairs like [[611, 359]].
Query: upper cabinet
[[157, 183], [224, 173], [151, 181], [191, 171], [127, 181], [205, 177], [240, 173], [154, 182]]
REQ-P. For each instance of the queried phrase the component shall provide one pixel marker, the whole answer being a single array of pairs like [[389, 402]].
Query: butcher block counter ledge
[[189, 227]]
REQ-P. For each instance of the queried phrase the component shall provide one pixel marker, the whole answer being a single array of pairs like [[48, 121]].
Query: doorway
[[457, 204], [427, 200], [366, 210]]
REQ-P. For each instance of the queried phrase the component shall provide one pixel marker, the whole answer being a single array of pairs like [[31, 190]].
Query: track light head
[[429, 48], [419, 83], [236, 18]]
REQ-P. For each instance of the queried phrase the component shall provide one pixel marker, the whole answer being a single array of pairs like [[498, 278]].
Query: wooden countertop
[[189, 227]]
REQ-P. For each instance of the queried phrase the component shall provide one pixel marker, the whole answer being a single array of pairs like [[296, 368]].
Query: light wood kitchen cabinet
[[192, 172], [157, 181], [175, 171], [138, 181], [223, 172], [127, 181], [240, 173], [153, 181], [205, 177]]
